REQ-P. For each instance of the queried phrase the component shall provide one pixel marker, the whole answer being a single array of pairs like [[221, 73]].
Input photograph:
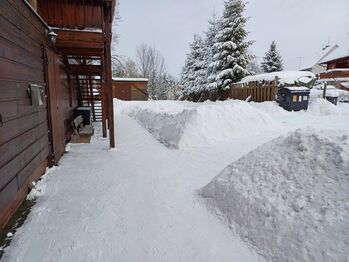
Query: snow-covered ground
[[139, 202]]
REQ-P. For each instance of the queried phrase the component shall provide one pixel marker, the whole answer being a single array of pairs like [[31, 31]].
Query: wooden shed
[[54, 57], [130, 89]]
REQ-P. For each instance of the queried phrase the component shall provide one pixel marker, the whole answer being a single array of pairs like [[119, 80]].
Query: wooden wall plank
[[12, 70], [20, 143], [23, 175], [10, 170], [22, 24], [14, 35], [33, 19], [9, 192], [14, 202], [16, 53], [16, 127]]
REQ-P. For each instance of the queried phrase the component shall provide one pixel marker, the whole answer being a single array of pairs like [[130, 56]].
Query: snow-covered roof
[[337, 79], [285, 77], [337, 70], [121, 79], [332, 58], [324, 55], [297, 88]]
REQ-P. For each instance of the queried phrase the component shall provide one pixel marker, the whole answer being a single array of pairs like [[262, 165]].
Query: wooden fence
[[258, 91]]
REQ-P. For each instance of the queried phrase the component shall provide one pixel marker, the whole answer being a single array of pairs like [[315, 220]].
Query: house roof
[[340, 52], [338, 58], [323, 56]]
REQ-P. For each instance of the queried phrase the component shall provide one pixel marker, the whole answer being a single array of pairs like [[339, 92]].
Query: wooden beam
[[85, 69], [107, 20], [74, 42], [75, 51]]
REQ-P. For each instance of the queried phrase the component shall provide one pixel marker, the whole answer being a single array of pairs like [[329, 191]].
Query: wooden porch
[[83, 29]]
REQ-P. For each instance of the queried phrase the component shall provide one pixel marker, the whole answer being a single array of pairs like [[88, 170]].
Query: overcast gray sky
[[300, 27]]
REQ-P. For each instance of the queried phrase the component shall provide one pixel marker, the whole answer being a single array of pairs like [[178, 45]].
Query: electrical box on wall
[[36, 94]]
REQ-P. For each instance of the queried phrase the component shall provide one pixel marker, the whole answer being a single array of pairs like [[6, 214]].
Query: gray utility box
[[86, 113], [294, 98], [332, 99]]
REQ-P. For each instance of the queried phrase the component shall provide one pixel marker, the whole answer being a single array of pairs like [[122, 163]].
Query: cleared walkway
[[135, 203]]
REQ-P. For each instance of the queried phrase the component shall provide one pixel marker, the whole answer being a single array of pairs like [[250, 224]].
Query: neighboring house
[[329, 58], [54, 57], [130, 89], [337, 73], [337, 63]]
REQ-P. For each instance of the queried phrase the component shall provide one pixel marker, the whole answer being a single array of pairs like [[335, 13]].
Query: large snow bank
[[185, 125], [289, 197], [285, 77]]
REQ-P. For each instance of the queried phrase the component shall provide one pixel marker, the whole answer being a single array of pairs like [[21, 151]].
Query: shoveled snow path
[[135, 203]]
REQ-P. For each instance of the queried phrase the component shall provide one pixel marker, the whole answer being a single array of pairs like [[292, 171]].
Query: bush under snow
[[186, 125], [289, 197]]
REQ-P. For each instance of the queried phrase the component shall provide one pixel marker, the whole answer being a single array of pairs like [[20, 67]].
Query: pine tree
[[272, 62], [230, 49], [192, 71], [208, 54]]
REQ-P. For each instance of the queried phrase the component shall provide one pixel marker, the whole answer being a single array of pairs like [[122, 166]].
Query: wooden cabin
[[54, 57], [130, 89]]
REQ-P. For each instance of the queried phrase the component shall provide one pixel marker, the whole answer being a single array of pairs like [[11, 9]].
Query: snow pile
[[289, 197], [285, 77], [186, 125], [323, 107], [317, 92]]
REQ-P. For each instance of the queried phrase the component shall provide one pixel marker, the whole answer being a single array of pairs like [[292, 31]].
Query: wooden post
[[91, 97], [104, 106], [107, 15], [325, 89]]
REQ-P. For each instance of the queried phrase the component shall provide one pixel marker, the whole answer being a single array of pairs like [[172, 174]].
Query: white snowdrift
[[289, 197], [186, 125], [323, 107]]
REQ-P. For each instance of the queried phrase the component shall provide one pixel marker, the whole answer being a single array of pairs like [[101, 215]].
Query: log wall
[[24, 128]]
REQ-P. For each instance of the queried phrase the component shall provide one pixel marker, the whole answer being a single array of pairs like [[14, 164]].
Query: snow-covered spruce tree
[[272, 62], [192, 73], [208, 53], [230, 50]]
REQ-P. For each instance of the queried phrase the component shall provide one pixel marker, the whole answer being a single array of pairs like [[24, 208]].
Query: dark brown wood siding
[[74, 14], [24, 141], [24, 136]]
